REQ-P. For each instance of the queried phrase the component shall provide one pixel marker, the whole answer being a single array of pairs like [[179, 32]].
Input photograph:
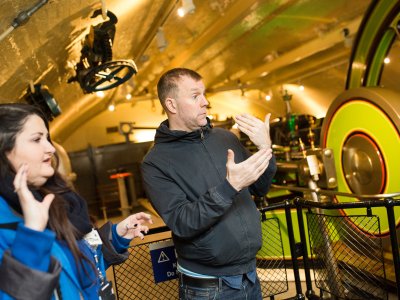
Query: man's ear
[[170, 104]]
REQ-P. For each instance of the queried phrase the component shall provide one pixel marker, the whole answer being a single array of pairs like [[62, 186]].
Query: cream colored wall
[[94, 131], [225, 104], [149, 114]]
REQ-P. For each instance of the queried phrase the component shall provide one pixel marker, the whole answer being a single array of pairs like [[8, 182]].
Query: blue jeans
[[249, 291]]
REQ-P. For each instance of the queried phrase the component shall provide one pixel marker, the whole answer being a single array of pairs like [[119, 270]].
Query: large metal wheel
[[362, 127], [108, 75]]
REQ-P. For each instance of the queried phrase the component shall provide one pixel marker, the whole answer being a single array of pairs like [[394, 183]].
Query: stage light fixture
[[187, 7]]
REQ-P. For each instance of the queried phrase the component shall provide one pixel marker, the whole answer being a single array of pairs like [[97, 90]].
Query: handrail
[[387, 202], [335, 193]]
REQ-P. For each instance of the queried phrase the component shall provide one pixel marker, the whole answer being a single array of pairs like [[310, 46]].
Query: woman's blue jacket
[[31, 262]]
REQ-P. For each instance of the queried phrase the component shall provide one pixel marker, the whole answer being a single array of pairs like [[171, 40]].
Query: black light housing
[[96, 71], [42, 98]]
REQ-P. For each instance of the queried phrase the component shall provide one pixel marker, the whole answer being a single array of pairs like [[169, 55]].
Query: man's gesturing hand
[[243, 174], [255, 129]]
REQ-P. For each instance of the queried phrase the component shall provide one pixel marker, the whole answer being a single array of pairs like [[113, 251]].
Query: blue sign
[[163, 258]]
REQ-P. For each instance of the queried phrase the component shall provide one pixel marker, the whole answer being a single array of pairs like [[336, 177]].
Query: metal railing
[[351, 263], [347, 263], [134, 279]]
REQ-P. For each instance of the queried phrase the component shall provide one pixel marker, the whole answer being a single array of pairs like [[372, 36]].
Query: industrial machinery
[[351, 156]]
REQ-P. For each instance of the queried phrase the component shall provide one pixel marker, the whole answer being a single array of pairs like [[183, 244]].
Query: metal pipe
[[103, 9], [313, 186], [22, 18], [333, 280], [7, 32], [287, 166]]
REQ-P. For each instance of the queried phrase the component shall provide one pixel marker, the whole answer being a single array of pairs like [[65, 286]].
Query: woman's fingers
[[132, 226], [144, 217], [20, 177], [48, 200], [36, 213]]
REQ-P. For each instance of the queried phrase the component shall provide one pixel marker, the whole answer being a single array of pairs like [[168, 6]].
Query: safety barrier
[[347, 254], [348, 261], [135, 278]]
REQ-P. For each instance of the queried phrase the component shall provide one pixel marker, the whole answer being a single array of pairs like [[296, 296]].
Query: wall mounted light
[[161, 41], [268, 96], [187, 7], [100, 94], [111, 107], [348, 40]]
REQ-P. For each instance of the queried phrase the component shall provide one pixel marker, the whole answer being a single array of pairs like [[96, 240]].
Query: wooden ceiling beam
[[163, 13], [234, 14], [309, 49], [288, 74]]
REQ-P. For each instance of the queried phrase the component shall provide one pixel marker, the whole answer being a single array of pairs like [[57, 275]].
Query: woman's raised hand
[[36, 213]]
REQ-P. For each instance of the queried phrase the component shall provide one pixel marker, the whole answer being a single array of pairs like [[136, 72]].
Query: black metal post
[[309, 293], [394, 242], [293, 252]]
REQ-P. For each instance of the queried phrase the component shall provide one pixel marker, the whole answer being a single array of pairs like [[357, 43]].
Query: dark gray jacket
[[216, 230]]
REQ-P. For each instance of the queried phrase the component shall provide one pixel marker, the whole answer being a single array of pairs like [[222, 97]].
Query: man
[[200, 180]]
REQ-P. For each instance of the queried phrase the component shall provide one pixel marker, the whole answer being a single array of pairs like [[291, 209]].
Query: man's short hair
[[167, 84]]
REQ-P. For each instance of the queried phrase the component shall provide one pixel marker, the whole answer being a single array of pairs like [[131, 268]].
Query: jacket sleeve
[[262, 185], [114, 247], [22, 282], [27, 262], [185, 218]]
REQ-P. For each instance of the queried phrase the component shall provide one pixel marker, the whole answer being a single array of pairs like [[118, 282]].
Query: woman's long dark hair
[[13, 116]]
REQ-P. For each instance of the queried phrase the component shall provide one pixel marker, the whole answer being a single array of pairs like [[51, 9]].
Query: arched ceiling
[[234, 44]]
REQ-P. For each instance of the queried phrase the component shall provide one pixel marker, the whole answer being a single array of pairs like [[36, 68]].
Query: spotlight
[[100, 94], [161, 41], [111, 107], [40, 96], [348, 40], [187, 7]]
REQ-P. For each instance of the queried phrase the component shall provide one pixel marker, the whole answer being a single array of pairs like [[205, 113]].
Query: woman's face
[[33, 149]]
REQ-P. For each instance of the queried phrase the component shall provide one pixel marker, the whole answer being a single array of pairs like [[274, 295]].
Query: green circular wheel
[[362, 128]]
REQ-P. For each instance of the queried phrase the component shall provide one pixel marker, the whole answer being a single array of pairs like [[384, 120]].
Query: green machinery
[[353, 154]]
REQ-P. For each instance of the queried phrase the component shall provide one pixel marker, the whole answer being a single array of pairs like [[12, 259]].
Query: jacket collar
[[166, 135], [7, 214]]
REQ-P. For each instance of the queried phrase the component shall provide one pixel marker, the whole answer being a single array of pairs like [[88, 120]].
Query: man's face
[[191, 104]]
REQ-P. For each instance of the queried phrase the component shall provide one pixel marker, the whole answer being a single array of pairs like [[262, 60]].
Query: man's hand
[[247, 172], [255, 129]]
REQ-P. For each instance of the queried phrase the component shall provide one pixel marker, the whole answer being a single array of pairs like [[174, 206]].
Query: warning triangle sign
[[163, 257]]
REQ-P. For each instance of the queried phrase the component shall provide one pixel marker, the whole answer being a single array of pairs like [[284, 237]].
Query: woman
[[48, 249]]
